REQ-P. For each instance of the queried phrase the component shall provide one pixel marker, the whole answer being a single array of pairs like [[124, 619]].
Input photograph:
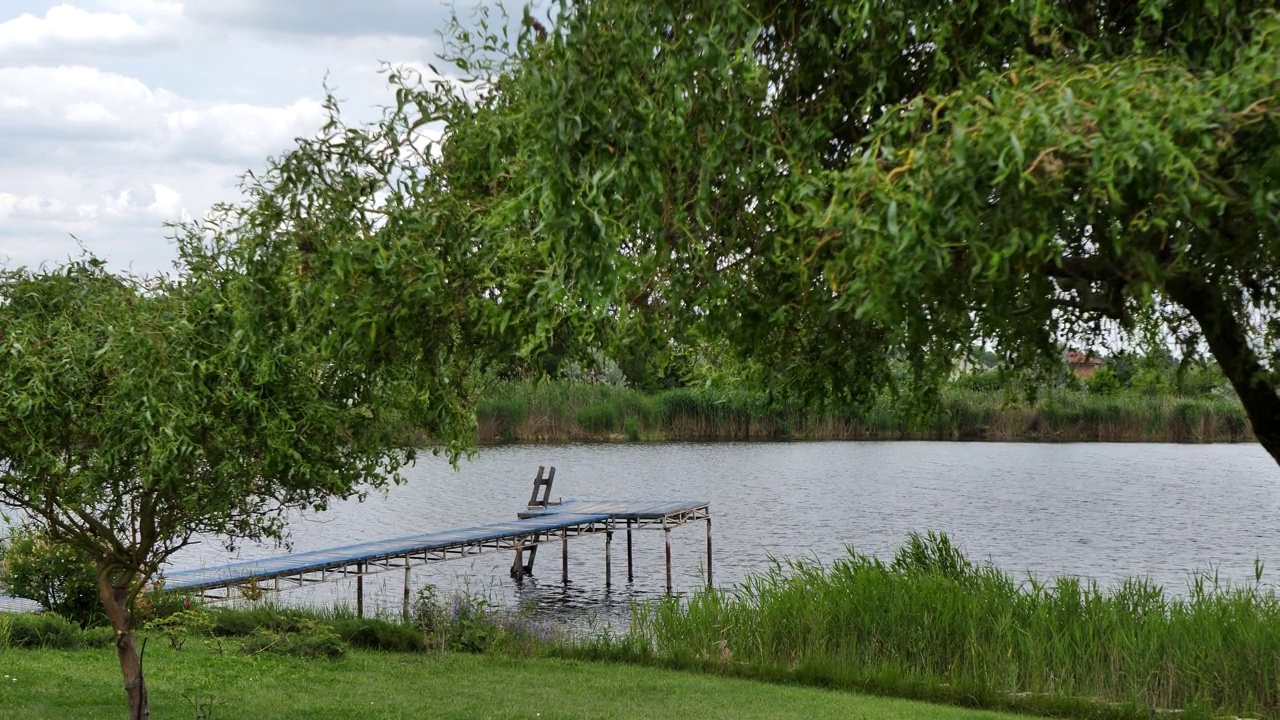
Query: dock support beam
[[405, 609], [710, 583], [608, 559], [630, 575], [517, 570], [666, 534], [360, 590], [564, 556]]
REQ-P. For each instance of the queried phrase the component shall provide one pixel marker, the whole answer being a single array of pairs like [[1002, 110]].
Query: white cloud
[[118, 115], [334, 18], [104, 157], [75, 106], [29, 206], [65, 28], [168, 203]]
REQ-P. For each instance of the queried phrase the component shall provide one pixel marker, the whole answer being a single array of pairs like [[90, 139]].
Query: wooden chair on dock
[[541, 484]]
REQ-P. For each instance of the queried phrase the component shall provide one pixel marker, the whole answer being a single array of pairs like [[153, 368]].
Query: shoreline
[[560, 412]]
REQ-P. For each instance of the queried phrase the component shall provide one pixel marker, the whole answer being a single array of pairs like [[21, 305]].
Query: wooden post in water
[[517, 570], [608, 560], [630, 575], [359, 589], [666, 534], [709, 576], [564, 556], [405, 609]]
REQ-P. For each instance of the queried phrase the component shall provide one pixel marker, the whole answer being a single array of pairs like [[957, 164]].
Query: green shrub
[[59, 577], [239, 622], [379, 634], [180, 625], [461, 623], [43, 630], [311, 640], [98, 637], [982, 381], [1104, 381]]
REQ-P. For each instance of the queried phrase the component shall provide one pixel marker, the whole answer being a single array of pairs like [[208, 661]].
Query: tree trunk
[[115, 600], [1229, 342]]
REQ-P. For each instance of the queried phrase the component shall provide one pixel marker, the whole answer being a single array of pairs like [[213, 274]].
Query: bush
[[982, 381], [45, 630], [59, 577], [235, 622], [463, 623], [98, 637], [1104, 381], [180, 625], [377, 634], [311, 640]]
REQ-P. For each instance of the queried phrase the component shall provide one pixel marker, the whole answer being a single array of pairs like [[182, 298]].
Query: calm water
[[1096, 510]]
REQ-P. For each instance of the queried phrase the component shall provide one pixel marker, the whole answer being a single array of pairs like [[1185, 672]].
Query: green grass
[[85, 684], [558, 411], [931, 625]]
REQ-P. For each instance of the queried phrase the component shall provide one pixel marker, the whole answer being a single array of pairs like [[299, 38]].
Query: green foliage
[[98, 637], [982, 381], [311, 639], [937, 625], [461, 623], [597, 418], [1122, 414], [43, 630], [836, 190], [178, 626], [379, 634], [59, 577], [1103, 381]]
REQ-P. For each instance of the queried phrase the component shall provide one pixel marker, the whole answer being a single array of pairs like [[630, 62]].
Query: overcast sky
[[117, 115]]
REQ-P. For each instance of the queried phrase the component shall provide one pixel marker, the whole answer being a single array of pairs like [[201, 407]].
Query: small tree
[[137, 414], [59, 577]]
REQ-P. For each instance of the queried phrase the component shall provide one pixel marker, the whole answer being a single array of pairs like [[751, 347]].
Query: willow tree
[[826, 184]]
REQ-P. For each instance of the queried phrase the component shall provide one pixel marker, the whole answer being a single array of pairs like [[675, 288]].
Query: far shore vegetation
[[1123, 398]]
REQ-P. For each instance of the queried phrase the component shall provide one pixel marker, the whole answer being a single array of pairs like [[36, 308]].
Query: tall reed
[[574, 411], [932, 624]]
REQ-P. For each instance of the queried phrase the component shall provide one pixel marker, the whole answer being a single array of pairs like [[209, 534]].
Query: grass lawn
[[86, 684]]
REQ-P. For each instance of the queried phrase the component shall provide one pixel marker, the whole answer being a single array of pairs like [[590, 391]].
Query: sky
[[117, 116]]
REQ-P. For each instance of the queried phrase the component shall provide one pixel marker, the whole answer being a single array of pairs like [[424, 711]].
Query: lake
[[1103, 511]]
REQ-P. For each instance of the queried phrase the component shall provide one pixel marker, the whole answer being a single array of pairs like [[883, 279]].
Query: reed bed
[[562, 411], [932, 624]]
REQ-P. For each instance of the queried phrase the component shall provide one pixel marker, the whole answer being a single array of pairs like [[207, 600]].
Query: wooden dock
[[543, 522]]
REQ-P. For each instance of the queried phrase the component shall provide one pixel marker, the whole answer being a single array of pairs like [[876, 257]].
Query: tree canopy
[[308, 338], [828, 186]]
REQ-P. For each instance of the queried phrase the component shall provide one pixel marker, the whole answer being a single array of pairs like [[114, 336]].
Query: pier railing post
[[666, 534], [359, 589], [405, 609], [710, 582], [608, 560], [564, 556], [630, 575]]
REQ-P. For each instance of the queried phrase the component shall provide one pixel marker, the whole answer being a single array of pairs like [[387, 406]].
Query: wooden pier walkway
[[541, 523]]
